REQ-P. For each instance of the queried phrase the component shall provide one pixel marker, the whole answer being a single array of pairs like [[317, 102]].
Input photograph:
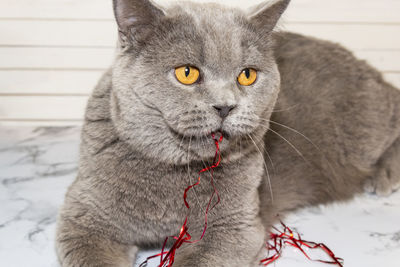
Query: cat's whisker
[[305, 137], [266, 151], [205, 165], [188, 160], [291, 145], [293, 130], [265, 165], [240, 150], [180, 146], [286, 109], [190, 176], [238, 146], [209, 170]]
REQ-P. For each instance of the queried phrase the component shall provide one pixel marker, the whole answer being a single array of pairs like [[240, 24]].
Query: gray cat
[[324, 124]]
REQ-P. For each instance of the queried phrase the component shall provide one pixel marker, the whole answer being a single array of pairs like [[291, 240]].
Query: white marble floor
[[38, 164]]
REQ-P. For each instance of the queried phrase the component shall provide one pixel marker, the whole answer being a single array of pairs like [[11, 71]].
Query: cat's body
[[133, 171], [348, 140]]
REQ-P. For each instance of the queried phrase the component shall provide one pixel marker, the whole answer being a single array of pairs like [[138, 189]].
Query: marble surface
[[38, 164]]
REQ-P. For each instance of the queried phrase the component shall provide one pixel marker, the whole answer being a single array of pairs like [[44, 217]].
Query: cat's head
[[190, 70]]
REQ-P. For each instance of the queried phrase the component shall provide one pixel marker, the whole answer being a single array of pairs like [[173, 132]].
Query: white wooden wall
[[52, 52]]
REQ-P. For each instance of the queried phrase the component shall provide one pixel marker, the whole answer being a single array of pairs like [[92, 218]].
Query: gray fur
[[146, 135]]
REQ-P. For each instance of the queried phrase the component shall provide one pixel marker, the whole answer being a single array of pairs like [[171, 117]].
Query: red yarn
[[276, 243], [287, 237]]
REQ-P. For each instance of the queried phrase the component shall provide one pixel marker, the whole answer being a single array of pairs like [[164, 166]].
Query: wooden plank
[[103, 33], [353, 36], [40, 123], [101, 58], [55, 58], [58, 33], [42, 107], [48, 82], [351, 11], [382, 11], [56, 9]]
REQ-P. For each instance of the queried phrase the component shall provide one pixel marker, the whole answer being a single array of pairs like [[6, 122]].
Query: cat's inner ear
[[265, 16], [135, 17]]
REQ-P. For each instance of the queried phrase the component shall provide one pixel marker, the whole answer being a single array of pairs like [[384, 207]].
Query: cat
[[304, 123]]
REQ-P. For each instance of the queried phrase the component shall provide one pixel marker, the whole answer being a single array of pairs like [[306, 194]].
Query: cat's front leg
[[81, 242], [79, 247], [234, 244]]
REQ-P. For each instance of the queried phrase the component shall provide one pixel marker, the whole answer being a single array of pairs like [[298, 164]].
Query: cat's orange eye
[[247, 77], [187, 75]]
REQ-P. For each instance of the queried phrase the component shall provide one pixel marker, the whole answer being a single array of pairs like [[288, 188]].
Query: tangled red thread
[[276, 243], [288, 237], [167, 257]]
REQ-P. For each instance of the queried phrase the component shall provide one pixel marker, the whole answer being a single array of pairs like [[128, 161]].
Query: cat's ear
[[135, 19], [266, 15]]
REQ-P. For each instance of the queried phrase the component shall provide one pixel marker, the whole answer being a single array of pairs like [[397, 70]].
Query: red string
[[167, 257], [276, 243], [288, 237]]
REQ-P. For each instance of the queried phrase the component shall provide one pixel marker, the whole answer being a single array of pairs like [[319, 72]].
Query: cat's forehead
[[223, 32]]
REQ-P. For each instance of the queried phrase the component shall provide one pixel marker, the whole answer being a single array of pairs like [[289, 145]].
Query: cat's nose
[[223, 111]]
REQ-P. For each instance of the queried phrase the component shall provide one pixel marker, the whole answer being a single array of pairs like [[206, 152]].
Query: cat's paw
[[385, 182]]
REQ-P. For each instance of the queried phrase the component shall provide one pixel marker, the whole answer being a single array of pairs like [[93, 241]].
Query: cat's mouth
[[198, 147], [200, 137]]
